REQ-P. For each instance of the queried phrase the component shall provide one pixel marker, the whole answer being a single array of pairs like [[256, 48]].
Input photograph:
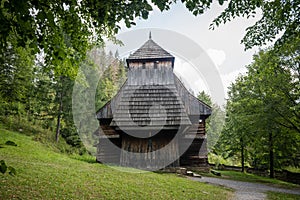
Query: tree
[[274, 87], [202, 96], [111, 80], [277, 17], [259, 118], [64, 30], [43, 100], [236, 134], [63, 101], [65, 124], [16, 77]]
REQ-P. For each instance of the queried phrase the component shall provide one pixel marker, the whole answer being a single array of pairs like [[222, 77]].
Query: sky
[[205, 60]]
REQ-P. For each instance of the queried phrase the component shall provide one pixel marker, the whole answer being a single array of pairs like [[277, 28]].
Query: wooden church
[[153, 122]]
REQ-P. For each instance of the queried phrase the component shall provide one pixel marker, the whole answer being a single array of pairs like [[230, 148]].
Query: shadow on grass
[[8, 143]]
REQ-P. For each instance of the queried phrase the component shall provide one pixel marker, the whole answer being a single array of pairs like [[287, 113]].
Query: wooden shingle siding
[[149, 105]]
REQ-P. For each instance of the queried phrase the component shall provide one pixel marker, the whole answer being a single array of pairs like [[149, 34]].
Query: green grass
[[282, 196], [247, 177], [45, 174]]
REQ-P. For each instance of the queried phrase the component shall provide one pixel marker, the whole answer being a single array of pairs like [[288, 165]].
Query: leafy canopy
[[278, 17], [64, 30]]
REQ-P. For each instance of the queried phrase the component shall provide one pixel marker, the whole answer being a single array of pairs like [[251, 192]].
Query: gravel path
[[245, 190]]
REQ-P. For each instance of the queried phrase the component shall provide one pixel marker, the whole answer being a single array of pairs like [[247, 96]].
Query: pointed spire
[[150, 37]]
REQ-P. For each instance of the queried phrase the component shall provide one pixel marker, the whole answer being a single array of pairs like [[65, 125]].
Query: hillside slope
[[44, 174]]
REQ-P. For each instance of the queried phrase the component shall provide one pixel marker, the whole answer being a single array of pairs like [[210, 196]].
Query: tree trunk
[[242, 155], [58, 119], [271, 155], [59, 115]]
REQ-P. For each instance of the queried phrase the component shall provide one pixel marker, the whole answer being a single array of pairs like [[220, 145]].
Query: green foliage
[[277, 17], [44, 136], [222, 159], [16, 80], [64, 31], [111, 80], [293, 169], [280, 196], [247, 177], [30, 96], [217, 160], [47, 138], [21, 125], [262, 115], [202, 96], [63, 110]]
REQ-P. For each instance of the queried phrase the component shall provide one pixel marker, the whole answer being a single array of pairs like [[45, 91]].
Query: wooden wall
[[108, 148], [150, 73], [108, 151], [196, 154], [154, 153]]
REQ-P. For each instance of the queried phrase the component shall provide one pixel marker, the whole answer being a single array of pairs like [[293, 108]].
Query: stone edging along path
[[245, 190]]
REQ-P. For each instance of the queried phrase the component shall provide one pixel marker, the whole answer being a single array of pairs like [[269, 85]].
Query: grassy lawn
[[44, 174], [282, 196], [239, 176]]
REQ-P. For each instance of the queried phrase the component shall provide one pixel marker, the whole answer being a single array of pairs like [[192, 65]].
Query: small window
[[144, 66]]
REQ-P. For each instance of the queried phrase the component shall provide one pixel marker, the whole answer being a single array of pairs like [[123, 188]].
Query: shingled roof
[[139, 103], [150, 50]]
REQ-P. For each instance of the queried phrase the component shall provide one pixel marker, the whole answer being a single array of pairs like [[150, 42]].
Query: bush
[[21, 125], [69, 145]]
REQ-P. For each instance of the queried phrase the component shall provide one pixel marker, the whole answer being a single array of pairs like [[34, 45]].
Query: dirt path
[[245, 190]]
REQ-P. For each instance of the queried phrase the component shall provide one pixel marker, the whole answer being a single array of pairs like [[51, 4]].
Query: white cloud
[[217, 56]]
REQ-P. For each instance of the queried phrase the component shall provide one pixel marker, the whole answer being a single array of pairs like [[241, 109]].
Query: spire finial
[[150, 37]]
